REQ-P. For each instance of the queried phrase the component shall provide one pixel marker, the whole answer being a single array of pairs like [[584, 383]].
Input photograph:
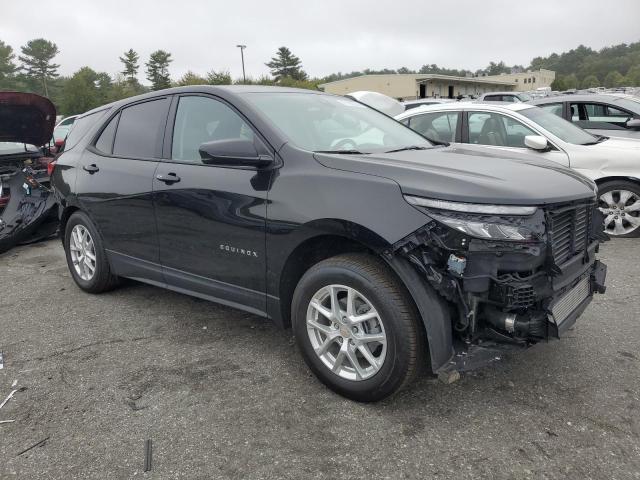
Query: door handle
[[93, 168], [169, 178]]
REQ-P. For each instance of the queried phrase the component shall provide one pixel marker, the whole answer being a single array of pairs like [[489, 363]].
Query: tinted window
[[200, 120], [439, 126], [105, 142], [493, 98], [140, 130], [80, 127], [495, 129], [604, 114]]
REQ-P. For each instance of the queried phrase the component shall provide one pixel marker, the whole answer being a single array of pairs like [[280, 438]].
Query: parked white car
[[613, 163]]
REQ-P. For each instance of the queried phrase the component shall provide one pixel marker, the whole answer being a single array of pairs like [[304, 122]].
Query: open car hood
[[26, 118]]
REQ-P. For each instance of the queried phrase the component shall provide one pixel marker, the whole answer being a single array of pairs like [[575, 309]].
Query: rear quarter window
[[81, 126]]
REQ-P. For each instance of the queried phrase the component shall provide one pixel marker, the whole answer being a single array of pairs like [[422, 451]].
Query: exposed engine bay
[[512, 292]]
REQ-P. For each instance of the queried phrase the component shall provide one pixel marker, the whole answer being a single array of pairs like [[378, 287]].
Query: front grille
[[569, 230]]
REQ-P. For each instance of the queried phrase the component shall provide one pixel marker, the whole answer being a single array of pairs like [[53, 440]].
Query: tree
[[570, 81], [130, 62], [85, 90], [405, 70], [36, 58], [497, 68], [219, 78], [613, 79], [286, 64], [191, 78], [590, 81], [158, 69], [558, 84], [7, 67], [633, 76]]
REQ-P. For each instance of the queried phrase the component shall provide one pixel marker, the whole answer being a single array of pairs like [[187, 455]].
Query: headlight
[[469, 218], [470, 207]]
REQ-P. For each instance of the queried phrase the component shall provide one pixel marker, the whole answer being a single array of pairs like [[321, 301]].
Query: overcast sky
[[328, 35]]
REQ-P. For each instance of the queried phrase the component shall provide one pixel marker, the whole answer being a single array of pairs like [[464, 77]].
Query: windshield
[[565, 131], [334, 124], [525, 97]]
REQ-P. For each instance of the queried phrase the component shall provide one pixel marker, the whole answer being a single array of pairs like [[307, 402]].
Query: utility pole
[[242, 47]]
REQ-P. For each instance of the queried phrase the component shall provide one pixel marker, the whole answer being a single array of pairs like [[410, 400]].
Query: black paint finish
[[228, 234]]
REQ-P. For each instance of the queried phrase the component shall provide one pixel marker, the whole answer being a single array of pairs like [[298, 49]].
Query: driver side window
[[489, 128], [200, 120]]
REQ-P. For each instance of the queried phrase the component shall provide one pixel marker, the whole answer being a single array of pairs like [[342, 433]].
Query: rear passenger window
[[105, 142], [439, 126], [200, 120], [140, 130]]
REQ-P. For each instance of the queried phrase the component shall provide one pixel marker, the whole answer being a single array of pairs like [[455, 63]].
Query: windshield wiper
[[410, 147], [343, 152]]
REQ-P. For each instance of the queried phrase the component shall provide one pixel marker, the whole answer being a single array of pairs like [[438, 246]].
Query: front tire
[[619, 201], [357, 327], [86, 257]]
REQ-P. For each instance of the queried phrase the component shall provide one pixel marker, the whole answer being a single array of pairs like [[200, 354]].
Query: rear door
[[115, 182], [211, 219]]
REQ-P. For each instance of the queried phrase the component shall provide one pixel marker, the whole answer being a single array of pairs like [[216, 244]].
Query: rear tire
[[368, 372], [614, 199], [81, 242]]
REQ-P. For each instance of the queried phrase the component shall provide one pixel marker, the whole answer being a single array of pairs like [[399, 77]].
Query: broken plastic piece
[[456, 264], [8, 398]]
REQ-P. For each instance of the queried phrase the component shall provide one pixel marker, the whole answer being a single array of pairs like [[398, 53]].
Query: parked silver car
[[509, 97], [606, 114], [613, 163]]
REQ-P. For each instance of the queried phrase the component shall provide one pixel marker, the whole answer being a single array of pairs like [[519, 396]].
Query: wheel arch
[[614, 178], [433, 310]]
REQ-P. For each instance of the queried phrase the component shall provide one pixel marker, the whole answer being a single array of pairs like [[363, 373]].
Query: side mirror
[[536, 142], [233, 153], [633, 123]]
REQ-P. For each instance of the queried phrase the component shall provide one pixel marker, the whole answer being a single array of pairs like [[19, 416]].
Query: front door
[[114, 186], [502, 132], [211, 219], [450, 91]]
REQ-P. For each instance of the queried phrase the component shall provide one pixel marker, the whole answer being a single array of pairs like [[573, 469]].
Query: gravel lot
[[224, 394]]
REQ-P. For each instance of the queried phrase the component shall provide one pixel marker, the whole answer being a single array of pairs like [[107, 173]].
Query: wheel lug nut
[[354, 330], [352, 342]]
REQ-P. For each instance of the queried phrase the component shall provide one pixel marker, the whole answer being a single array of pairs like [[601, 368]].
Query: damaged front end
[[27, 204], [27, 207], [512, 275]]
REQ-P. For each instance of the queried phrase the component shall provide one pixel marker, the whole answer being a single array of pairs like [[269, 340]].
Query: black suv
[[385, 253]]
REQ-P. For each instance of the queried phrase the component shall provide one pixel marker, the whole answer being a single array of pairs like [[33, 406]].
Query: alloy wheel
[[621, 209], [346, 332], [83, 252]]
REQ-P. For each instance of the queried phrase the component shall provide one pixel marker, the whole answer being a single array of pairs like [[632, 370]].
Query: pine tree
[[130, 61], [158, 69], [7, 67], [36, 58], [286, 64]]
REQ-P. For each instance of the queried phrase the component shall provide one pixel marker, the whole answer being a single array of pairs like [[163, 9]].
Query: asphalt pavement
[[224, 394]]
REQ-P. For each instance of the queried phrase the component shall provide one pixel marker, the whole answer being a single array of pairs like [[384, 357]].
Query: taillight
[[50, 167], [5, 196]]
